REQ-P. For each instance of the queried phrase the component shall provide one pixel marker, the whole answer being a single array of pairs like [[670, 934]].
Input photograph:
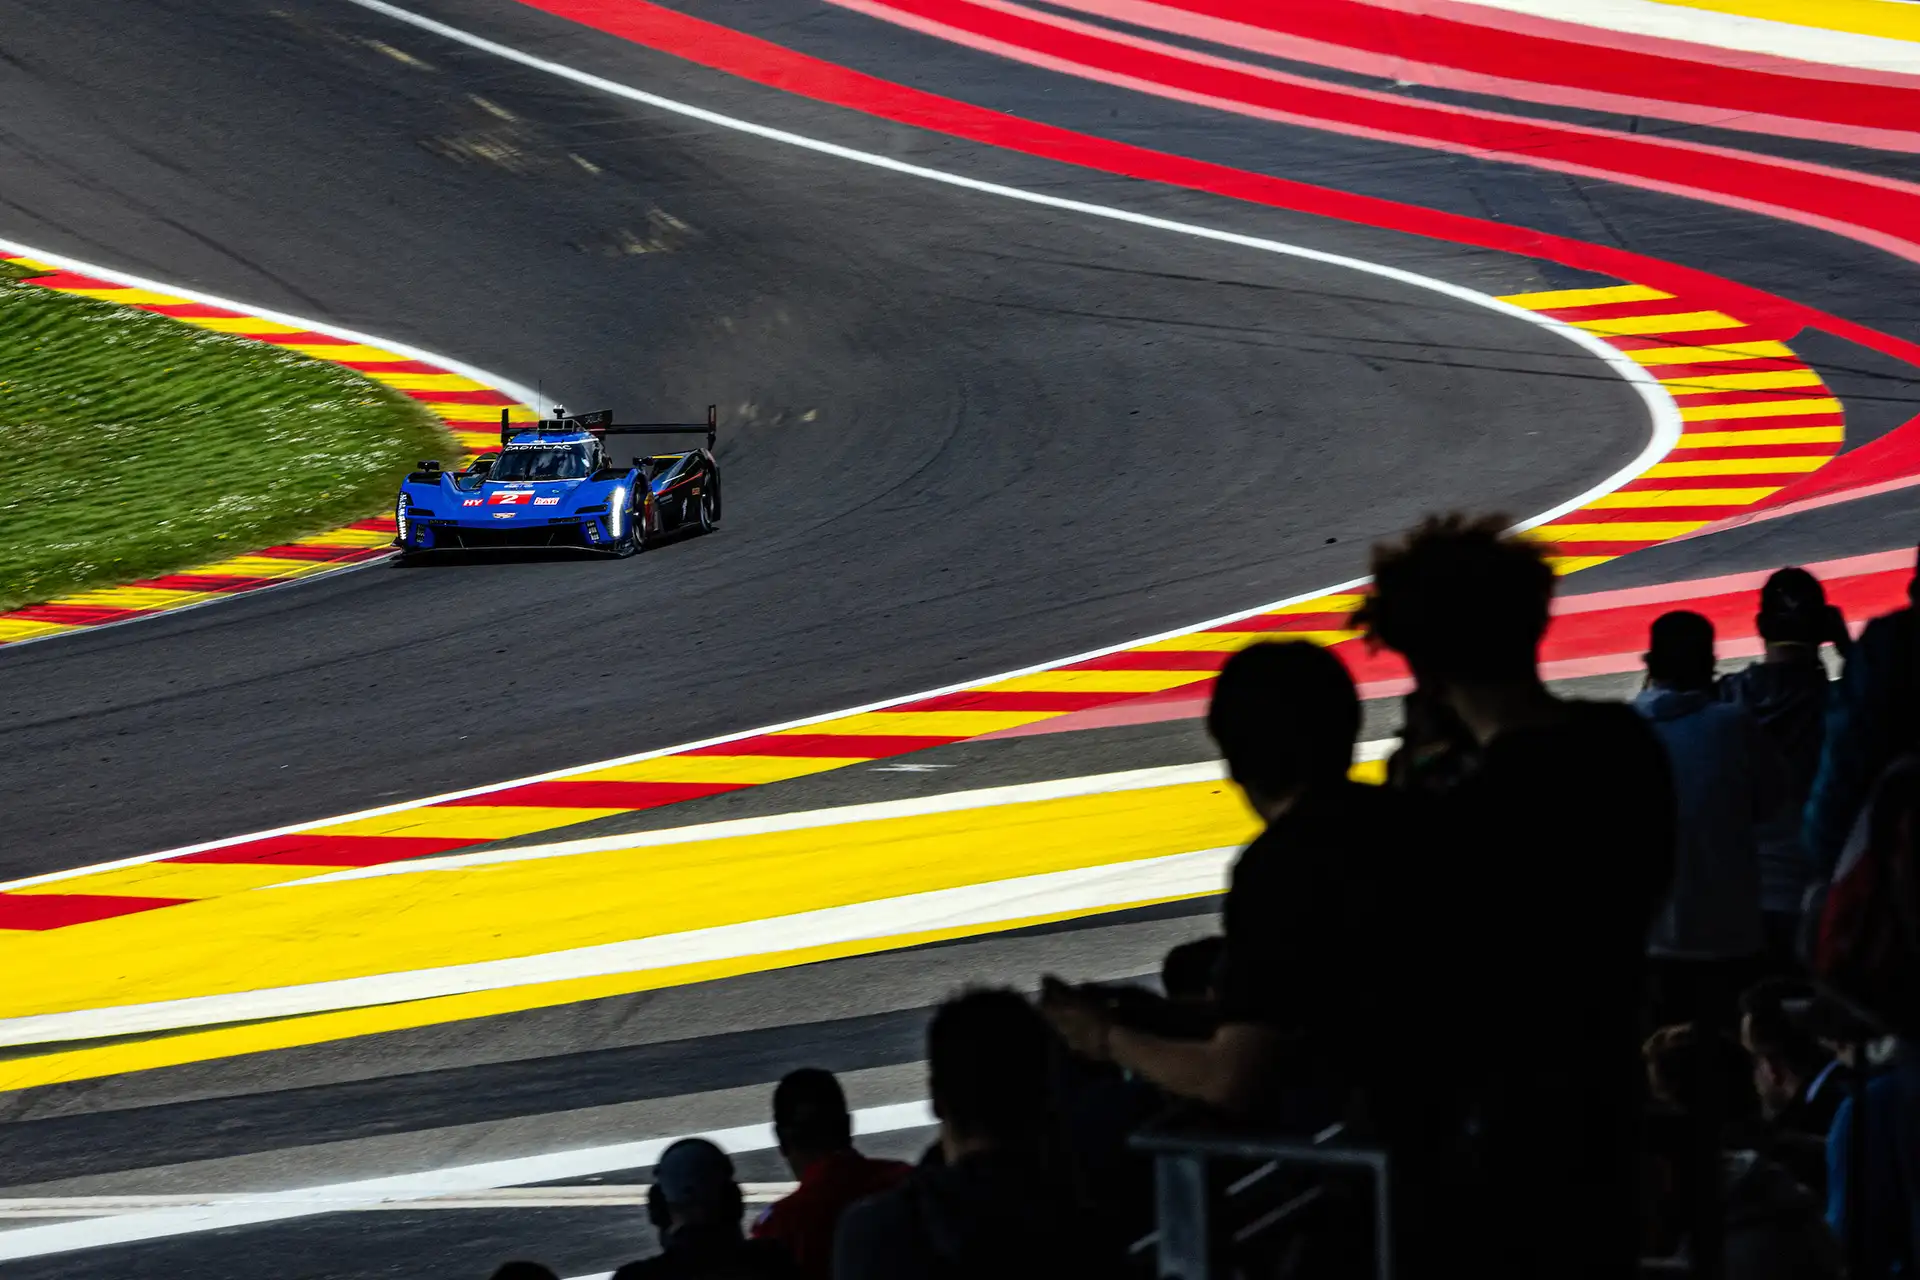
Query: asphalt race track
[[960, 434]]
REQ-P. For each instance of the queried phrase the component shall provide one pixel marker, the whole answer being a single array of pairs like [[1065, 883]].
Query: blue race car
[[554, 484]]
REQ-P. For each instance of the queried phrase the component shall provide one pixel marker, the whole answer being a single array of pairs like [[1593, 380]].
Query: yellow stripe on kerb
[[12, 629], [465, 821], [125, 294], [1760, 409], [1678, 322], [1761, 435], [248, 326], [1557, 299], [1779, 380], [1886, 19], [744, 770], [932, 724]]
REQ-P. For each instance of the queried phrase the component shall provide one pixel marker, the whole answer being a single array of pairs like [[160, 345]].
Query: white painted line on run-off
[[366, 1193]]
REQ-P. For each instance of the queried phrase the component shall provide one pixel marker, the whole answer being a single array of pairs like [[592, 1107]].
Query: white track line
[[367, 1193], [1081, 890], [1661, 409]]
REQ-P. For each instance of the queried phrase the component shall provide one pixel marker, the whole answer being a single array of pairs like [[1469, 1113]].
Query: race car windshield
[[544, 462]]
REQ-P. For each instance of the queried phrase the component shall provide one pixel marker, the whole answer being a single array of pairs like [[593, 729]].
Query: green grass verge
[[137, 445]]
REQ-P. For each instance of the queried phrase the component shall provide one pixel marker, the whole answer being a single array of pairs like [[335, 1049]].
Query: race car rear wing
[[601, 424]]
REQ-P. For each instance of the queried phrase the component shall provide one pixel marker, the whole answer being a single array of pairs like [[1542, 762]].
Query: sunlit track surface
[[925, 378]]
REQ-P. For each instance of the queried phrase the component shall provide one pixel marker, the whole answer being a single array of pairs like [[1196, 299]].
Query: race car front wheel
[[705, 515]]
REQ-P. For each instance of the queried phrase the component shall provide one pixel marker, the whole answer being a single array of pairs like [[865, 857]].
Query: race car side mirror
[[430, 464]]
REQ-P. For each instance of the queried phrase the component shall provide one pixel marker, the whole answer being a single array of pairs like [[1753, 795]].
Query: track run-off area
[[1058, 357]]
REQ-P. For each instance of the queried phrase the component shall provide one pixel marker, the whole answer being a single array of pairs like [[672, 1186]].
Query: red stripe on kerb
[[1283, 622], [764, 62], [38, 911], [61, 280], [304, 850], [1157, 660], [75, 615], [1580, 61], [204, 582], [1768, 395], [1014, 700], [1755, 364], [592, 794], [1875, 211]]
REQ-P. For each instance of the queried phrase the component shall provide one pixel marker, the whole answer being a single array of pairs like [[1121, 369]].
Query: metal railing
[[1191, 1237]]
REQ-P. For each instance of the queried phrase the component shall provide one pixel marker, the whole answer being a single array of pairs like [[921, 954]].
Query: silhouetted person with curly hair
[[1550, 845]]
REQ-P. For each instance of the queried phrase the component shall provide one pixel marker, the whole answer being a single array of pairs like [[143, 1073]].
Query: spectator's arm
[[1228, 1070]]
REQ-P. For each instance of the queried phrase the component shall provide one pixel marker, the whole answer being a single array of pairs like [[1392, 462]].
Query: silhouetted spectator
[[1799, 1080], [1707, 940], [1884, 1197], [815, 1133], [1191, 972], [991, 1206], [523, 1271], [1786, 692], [1542, 870], [1873, 716], [1310, 967], [696, 1206], [1774, 1226]]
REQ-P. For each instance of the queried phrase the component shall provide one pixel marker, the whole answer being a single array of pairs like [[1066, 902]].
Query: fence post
[[1180, 1205]]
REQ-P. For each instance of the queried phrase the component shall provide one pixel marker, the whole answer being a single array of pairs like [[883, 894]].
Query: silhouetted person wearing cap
[[1707, 941], [1550, 845], [1787, 693], [815, 1132], [695, 1205], [991, 1205]]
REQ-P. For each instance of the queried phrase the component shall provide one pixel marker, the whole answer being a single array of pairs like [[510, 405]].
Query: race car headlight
[[400, 516], [616, 512]]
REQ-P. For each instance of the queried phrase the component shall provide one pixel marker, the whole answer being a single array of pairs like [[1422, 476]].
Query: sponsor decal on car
[[471, 502], [517, 497], [503, 515], [546, 502]]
